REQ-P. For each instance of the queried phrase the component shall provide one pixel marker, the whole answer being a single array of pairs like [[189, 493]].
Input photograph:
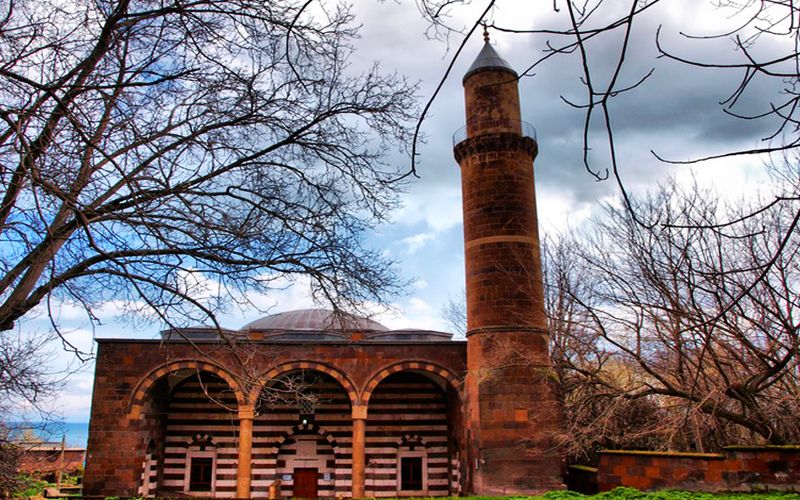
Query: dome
[[314, 320]]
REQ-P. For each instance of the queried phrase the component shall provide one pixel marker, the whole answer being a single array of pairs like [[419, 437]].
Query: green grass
[[29, 486], [622, 493], [634, 494]]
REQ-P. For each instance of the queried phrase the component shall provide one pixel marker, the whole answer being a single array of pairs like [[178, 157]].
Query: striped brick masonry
[[155, 410]]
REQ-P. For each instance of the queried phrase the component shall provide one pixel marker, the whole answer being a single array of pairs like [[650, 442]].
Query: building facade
[[316, 404], [348, 409]]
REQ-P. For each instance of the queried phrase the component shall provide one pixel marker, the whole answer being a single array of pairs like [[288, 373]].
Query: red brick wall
[[492, 102], [751, 468], [737, 469], [46, 461]]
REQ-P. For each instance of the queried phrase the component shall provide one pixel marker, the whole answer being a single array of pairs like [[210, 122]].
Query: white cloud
[[414, 312], [559, 211], [731, 178], [416, 304], [67, 311], [74, 402], [416, 242], [80, 339], [438, 206], [284, 295]]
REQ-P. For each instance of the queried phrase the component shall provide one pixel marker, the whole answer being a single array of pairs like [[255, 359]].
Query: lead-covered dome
[[314, 320], [308, 326]]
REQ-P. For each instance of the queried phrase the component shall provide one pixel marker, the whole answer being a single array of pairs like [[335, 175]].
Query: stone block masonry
[[512, 410], [738, 468], [156, 405]]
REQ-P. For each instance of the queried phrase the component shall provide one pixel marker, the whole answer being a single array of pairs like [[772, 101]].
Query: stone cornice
[[493, 143]]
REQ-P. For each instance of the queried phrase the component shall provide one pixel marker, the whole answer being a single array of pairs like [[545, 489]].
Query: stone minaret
[[511, 405]]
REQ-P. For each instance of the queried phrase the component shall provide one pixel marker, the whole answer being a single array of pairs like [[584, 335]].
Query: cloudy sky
[[676, 113]]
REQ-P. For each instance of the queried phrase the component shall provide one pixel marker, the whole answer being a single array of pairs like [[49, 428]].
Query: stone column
[[245, 451], [359, 438]]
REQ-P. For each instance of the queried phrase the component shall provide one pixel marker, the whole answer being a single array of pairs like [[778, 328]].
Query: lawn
[[633, 494]]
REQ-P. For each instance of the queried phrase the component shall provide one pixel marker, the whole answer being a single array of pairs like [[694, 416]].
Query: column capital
[[359, 412], [247, 412]]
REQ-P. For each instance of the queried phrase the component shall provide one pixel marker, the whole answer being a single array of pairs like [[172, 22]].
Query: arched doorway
[[302, 418], [307, 457]]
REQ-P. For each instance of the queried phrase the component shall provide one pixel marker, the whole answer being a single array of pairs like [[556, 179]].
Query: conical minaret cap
[[488, 58]]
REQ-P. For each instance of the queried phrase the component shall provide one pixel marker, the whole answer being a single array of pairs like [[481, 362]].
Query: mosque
[[314, 403]]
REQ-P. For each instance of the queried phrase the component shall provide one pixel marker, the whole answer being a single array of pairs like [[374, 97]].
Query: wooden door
[[305, 483]]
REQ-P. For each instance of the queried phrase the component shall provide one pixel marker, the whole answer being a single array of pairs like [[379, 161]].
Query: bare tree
[[24, 375], [176, 156], [9, 463], [593, 376], [27, 386], [454, 312], [647, 348], [602, 36], [672, 306], [644, 315], [600, 33]]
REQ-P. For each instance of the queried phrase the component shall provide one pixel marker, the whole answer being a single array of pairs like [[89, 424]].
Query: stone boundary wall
[[738, 468], [42, 461]]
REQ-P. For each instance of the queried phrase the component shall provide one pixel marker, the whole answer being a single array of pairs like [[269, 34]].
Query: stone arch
[[201, 440], [306, 428], [415, 366], [144, 385], [411, 440], [279, 370]]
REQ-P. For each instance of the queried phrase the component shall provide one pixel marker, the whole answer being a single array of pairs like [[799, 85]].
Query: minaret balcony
[[499, 125]]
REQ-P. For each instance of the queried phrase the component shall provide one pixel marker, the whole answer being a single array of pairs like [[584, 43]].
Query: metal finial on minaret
[[485, 33]]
